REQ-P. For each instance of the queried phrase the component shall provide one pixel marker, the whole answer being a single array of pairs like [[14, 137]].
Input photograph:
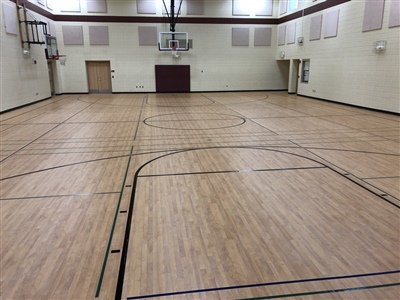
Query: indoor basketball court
[[174, 192], [199, 196]]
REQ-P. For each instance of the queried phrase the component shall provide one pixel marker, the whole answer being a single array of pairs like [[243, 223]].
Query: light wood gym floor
[[199, 196]]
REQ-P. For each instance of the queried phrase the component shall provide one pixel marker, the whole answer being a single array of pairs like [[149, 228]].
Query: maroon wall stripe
[[183, 20]]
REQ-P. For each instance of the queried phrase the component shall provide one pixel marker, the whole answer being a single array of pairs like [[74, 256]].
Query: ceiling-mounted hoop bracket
[[171, 14]]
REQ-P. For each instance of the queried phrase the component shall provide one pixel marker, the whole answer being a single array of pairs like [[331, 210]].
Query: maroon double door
[[172, 78]]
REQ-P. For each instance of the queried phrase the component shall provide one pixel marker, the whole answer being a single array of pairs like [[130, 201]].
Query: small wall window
[[305, 71], [293, 5]]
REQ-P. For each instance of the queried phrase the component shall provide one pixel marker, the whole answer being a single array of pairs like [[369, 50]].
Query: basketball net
[[174, 52]]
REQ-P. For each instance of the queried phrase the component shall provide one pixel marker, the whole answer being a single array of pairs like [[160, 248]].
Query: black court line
[[356, 151], [121, 274], [384, 177], [104, 97], [274, 283], [29, 111], [59, 196], [128, 146], [285, 143], [239, 103], [184, 103], [148, 122], [140, 115], [357, 183], [84, 162], [315, 103], [196, 120], [336, 142], [205, 135], [63, 166], [231, 171], [350, 129], [63, 122], [103, 269], [319, 292], [107, 122], [64, 153]]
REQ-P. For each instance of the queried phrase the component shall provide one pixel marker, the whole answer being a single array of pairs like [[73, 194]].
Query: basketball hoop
[[174, 52], [61, 58]]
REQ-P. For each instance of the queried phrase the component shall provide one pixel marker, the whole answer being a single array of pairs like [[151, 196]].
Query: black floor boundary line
[[350, 129], [64, 166], [232, 171], [29, 104], [79, 147], [352, 105], [59, 196], [125, 247], [180, 105], [34, 140], [346, 150], [249, 119], [357, 183], [384, 177], [64, 153], [103, 269], [317, 279], [140, 115], [319, 292], [106, 122], [84, 162], [277, 143]]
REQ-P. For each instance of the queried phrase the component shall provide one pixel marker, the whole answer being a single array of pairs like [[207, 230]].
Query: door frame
[[98, 91]]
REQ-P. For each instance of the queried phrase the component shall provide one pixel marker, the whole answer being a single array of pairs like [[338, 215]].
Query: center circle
[[194, 121]]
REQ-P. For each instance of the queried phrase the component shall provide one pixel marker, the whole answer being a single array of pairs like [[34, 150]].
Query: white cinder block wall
[[21, 80], [346, 68], [215, 64], [343, 69]]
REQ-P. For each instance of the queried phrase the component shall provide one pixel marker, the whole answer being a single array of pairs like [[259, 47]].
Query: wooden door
[[99, 77]]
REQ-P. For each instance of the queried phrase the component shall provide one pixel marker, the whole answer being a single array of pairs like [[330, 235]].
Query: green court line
[[324, 292], [113, 228]]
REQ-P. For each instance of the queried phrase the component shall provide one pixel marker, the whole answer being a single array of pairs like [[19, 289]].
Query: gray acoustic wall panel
[[147, 36], [394, 17], [264, 8], [282, 7], [291, 33], [146, 6], [262, 36], [70, 6], [195, 7], [96, 6], [373, 14], [98, 35], [72, 34], [315, 28], [281, 35], [240, 8], [240, 36], [331, 24], [10, 18]]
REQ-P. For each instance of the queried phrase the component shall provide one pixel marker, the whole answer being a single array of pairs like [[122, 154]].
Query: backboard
[[51, 46], [168, 41]]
